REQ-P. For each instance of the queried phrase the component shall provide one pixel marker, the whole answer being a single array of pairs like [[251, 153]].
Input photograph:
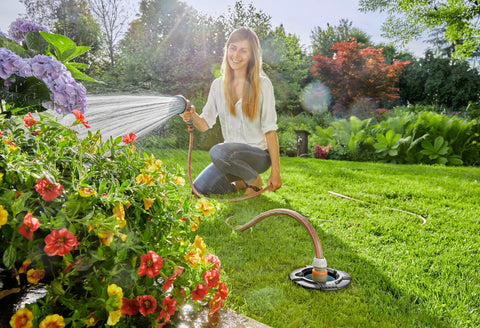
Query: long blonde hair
[[251, 89]]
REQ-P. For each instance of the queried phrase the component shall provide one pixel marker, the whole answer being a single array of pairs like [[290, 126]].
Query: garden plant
[[101, 226]]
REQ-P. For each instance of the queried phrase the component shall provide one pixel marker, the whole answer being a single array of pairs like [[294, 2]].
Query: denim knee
[[218, 155]]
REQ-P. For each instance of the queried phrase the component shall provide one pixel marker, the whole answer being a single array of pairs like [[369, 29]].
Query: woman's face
[[239, 54]]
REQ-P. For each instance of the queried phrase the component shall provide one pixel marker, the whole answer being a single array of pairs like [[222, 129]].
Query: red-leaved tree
[[357, 78]]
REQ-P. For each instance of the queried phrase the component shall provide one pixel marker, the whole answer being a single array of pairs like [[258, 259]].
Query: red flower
[[30, 224], [71, 265], [168, 282], [167, 309], [130, 306], [60, 242], [211, 278], [199, 293], [80, 118], [215, 304], [28, 119], [150, 264], [129, 138], [222, 291], [48, 190], [147, 304]]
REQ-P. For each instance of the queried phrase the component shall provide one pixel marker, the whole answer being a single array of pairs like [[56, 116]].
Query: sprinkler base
[[336, 279]]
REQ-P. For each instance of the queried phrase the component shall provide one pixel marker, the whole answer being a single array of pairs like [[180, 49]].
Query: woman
[[243, 100]]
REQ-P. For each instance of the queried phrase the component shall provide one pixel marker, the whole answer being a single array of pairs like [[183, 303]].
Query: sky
[[298, 17]]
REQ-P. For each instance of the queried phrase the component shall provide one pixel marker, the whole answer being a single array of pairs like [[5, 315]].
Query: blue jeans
[[231, 162]]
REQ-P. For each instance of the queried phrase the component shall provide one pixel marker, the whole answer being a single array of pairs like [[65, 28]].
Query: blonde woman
[[243, 100]]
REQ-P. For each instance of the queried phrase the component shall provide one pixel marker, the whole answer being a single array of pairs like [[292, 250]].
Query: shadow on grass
[[256, 264]]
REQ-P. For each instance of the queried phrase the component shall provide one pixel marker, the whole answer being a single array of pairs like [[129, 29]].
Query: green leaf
[[10, 256], [78, 75], [11, 45], [62, 45], [35, 41]]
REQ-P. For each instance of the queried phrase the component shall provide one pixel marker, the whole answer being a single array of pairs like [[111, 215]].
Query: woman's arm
[[274, 181]]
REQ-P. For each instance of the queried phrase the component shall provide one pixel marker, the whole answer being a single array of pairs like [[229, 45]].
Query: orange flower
[[192, 258], [34, 276], [152, 164], [119, 212], [205, 206], [199, 293], [80, 118], [129, 138], [48, 190], [106, 237], [91, 320], [53, 321], [29, 225], [86, 192], [179, 181], [24, 266], [22, 319], [144, 179], [148, 202], [200, 245], [215, 304], [60, 242], [28, 119]]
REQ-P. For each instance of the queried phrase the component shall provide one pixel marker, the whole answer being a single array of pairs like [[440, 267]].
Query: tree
[[408, 19], [242, 15], [358, 75], [287, 65], [112, 16], [43, 12], [323, 40], [448, 84]]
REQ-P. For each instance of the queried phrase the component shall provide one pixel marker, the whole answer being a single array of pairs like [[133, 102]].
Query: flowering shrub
[[100, 225], [321, 152], [32, 80], [103, 227]]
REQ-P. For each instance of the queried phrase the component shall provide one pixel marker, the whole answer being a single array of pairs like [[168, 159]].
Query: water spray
[[316, 276]]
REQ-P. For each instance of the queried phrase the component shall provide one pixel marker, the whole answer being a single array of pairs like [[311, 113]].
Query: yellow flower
[[119, 212], [34, 276], [200, 245], [192, 258], [152, 164], [24, 266], [144, 179], [161, 178], [114, 317], [106, 237], [3, 216], [122, 236], [53, 320], [117, 291], [91, 320], [205, 207], [22, 319], [179, 181], [194, 226], [86, 192], [1, 176], [128, 204], [148, 202]]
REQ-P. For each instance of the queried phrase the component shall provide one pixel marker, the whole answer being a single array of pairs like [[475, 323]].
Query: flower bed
[[102, 226]]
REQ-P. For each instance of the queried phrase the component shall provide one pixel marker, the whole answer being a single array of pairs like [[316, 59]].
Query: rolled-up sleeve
[[210, 110], [267, 107]]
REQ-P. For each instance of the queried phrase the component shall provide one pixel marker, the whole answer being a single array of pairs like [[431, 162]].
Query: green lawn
[[404, 274]]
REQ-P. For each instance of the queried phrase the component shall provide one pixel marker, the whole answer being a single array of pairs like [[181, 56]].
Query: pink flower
[[60, 242], [129, 138], [28, 119], [48, 190], [30, 224]]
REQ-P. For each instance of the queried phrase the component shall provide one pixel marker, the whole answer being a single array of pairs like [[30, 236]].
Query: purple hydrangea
[[66, 93], [11, 63], [4, 35], [20, 27]]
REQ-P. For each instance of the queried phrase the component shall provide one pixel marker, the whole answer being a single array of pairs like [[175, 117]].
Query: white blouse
[[240, 128]]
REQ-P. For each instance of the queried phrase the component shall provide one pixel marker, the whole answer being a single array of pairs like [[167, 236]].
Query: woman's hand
[[274, 181], [187, 115]]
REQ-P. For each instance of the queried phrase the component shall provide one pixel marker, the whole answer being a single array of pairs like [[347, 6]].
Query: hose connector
[[319, 270], [179, 105]]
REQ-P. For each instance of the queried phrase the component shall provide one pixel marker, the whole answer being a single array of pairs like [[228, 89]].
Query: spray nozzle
[[180, 104]]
